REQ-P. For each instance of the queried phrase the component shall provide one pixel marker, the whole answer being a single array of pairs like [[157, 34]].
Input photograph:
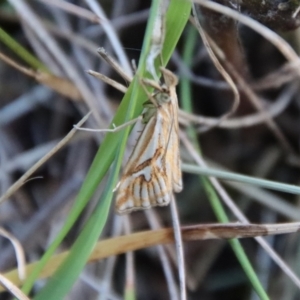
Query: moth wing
[[173, 154], [145, 182]]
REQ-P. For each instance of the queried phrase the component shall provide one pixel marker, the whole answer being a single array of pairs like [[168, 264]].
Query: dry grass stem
[[140, 240], [238, 214], [12, 288], [215, 59], [20, 255], [237, 77], [30, 172]]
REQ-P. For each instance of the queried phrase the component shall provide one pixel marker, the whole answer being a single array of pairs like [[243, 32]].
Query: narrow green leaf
[[62, 281], [18, 49], [130, 107], [269, 184], [211, 194]]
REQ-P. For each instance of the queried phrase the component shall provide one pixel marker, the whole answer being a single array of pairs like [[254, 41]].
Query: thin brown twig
[[74, 9], [16, 65], [286, 73], [111, 35], [145, 239], [186, 118], [215, 59], [36, 25], [25, 177], [258, 105], [275, 109], [155, 224], [114, 64], [267, 33], [179, 248], [130, 281], [109, 81], [237, 212], [20, 255], [247, 90], [12, 288]]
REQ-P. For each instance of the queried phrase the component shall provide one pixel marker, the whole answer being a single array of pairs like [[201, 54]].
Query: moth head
[[162, 97]]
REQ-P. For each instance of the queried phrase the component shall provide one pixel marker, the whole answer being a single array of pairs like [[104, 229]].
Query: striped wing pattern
[[153, 170]]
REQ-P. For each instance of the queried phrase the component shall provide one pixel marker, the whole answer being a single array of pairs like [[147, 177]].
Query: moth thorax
[[162, 98]]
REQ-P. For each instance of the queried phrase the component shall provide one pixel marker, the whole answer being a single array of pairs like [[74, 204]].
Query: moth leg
[[114, 129]]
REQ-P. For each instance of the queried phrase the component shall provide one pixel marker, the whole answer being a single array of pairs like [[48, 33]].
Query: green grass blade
[[62, 281], [64, 278], [177, 18], [234, 243], [269, 184], [130, 294], [18, 49], [212, 195]]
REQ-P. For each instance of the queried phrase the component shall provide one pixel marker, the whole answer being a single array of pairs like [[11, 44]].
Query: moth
[[153, 170]]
